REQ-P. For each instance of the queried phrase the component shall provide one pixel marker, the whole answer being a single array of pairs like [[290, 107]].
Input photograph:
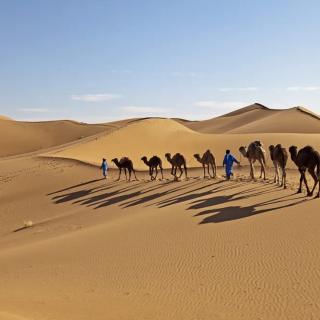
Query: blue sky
[[103, 60]]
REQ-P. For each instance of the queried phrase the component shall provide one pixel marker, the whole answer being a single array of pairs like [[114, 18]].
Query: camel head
[[115, 161], [243, 151], [197, 156], [258, 143], [144, 159], [271, 148], [293, 152], [168, 156]]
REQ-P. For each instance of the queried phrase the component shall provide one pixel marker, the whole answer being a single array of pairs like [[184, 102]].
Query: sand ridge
[[159, 136]]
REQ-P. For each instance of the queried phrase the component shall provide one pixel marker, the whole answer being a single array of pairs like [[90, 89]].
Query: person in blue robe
[[104, 167], [228, 161]]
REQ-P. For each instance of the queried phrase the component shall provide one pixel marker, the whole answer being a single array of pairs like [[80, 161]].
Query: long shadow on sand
[[214, 198]]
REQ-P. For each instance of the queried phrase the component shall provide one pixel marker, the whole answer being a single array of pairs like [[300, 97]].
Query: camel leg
[[315, 178], [306, 183], [186, 171], [134, 172], [262, 171], [284, 178], [181, 171], [120, 169], [211, 176], [251, 170], [275, 172], [204, 171], [161, 172], [210, 164], [300, 182]]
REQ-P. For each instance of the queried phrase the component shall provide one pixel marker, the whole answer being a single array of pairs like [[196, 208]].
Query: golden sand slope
[[257, 118], [22, 137], [187, 250], [158, 136]]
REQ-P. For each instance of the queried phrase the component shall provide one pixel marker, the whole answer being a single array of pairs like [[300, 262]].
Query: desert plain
[[76, 246]]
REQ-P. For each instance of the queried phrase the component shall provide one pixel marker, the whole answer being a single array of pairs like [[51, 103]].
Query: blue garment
[[228, 162], [104, 167]]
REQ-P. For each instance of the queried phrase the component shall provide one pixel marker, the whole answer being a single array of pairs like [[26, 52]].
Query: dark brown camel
[[307, 159], [153, 163], [207, 160], [255, 152], [177, 161], [126, 164], [279, 157]]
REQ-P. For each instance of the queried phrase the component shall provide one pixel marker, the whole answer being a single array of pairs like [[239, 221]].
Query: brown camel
[[126, 164], [307, 159], [255, 152], [207, 160], [177, 161], [279, 157], [153, 164]]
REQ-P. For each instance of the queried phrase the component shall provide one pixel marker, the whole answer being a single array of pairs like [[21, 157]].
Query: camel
[[279, 157], [307, 158], [207, 160], [255, 152], [153, 164], [126, 164], [177, 161]]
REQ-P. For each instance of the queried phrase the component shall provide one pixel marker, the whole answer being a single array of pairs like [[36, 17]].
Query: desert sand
[[75, 246]]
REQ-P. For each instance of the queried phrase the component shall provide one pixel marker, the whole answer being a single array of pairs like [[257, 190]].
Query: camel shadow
[[208, 199], [225, 214]]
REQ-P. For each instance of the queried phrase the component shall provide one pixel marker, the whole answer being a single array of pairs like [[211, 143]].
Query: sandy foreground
[[196, 249], [75, 246]]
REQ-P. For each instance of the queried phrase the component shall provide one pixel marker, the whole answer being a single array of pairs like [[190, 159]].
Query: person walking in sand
[[228, 161], [104, 167]]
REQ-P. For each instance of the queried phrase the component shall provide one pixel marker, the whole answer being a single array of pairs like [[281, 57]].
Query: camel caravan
[[306, 158]]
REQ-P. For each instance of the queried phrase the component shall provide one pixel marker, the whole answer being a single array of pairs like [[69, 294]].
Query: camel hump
[[307, 149]]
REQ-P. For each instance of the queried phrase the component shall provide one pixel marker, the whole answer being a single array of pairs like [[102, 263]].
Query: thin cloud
[[96, 97], [137, 109], [306, 88], [34, 110], [220, 105], [241, 89]]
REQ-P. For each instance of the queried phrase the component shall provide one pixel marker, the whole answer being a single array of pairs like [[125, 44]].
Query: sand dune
[[257, 118], [192, 249], [23, 137], [158, 136]]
